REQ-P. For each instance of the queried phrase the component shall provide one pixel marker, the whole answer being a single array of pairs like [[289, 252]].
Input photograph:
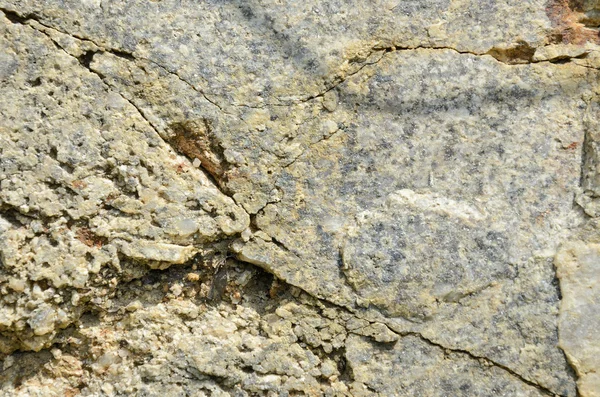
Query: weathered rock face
[[577, 267], [278, 198]]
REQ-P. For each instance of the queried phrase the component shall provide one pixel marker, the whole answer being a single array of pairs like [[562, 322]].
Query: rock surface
[[299, 198], [578, 267]]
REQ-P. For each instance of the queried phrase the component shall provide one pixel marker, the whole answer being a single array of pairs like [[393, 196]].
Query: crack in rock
[[402, 201]]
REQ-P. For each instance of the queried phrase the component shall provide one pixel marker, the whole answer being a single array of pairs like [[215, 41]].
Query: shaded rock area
[[281, 198]]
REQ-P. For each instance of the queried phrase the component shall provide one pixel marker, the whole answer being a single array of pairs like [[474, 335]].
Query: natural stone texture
[[288, 344], [458, 218], [278, 51], [578, 268], [404, 173], [84, 180], [413, 366]]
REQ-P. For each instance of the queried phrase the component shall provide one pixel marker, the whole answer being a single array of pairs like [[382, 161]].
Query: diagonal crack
[[309, 146], [86, 59], [520, 54], [363, 314], [487, 360], [498, 54], [24, 20], [177, 75]]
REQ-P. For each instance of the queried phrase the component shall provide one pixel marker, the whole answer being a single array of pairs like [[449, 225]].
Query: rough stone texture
[[578, 267], [85, 181], [299, 198], [423, 366]]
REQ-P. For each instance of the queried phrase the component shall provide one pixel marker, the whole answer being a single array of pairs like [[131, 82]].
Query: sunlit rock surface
[[299, 198]]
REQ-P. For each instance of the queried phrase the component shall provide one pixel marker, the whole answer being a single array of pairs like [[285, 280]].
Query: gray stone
[[578, 270], [277, 198]]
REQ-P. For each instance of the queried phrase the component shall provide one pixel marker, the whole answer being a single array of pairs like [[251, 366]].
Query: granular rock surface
[[282, 198]]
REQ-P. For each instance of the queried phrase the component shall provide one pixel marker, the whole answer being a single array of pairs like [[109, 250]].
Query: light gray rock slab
[[414, 367], [404, 171], [577, 266]]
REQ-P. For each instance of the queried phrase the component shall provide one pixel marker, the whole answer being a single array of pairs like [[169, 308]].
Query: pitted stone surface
[[85, 182], [409, 176]]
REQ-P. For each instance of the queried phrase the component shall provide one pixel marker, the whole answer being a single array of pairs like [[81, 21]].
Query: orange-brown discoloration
[[572, 145], [520, 53], [72, 392], [569, 22], [194, 139], [276, 289], [111, 197], [180, 168], [79, 184]]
